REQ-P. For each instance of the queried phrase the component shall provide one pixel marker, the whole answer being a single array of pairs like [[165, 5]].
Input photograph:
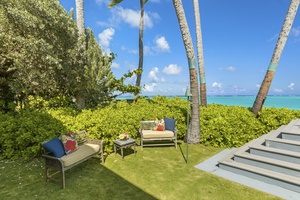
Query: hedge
[[220, 126]]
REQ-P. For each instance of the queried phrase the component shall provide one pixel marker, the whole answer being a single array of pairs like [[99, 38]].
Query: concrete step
[[264, 175], [291, 131], [275, 153], [273, 158], [279, 143], [290, 136], [284, 167]]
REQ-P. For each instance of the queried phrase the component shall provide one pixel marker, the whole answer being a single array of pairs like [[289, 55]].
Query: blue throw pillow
[[169, 124], [55, 147]]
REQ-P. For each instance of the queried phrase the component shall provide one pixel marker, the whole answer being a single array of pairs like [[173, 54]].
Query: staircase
[[273, 158]]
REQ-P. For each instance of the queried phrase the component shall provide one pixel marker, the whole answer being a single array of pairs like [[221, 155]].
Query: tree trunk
[[194, 133], [80, 99], [80, 16], [286, 28], [141, 46], [203, 99]]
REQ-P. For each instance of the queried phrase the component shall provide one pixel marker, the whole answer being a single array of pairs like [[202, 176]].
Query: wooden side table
[[118, 143]]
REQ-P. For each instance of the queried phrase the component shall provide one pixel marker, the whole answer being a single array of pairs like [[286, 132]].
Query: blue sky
[[239, 38]]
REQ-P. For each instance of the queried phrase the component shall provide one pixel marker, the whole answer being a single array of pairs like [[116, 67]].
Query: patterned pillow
[[69, 142], [159, 125]]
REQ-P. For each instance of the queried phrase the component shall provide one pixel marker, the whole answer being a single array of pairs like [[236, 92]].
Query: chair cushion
[[147, 134], [170, 124], [55, 147], [82, 152]]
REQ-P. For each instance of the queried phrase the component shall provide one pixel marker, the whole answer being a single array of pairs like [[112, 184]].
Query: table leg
[[115, 148], [122, 153], [134, 150]]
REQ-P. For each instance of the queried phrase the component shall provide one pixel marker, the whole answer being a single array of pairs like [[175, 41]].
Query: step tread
[[261, 171], [292, 127], [272, 161], [276, 150], [285, 141]]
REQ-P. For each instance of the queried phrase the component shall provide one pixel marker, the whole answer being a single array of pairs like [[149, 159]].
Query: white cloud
[[100, 2], [131, 17], [278, 90], [162, 44], [257, 85], [172, 69], [291, 86], [115, 65], [149, 88], [231, 68], [152, 75], [295, 31], [105, 37], [147, 50], [275, 37], [217, 85]]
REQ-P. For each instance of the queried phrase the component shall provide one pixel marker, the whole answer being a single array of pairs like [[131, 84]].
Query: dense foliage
[[41, 55], [221, 126], [37, 39]]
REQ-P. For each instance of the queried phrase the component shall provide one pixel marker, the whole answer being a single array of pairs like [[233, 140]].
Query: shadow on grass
[[185, 157], [88, 180]]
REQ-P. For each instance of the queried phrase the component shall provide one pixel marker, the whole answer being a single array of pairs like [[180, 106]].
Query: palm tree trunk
[[80, 99], [286, 28], [194, 133], [203, 99], [141, 46], [80, 16]]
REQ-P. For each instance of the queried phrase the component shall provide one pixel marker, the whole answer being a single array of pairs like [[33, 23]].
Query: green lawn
[[155, 173]]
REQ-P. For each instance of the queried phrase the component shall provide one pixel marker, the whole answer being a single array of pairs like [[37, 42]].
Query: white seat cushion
[[148, 134], [82, 152]]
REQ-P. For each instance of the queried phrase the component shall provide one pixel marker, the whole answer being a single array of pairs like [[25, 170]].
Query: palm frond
[[113, 3]]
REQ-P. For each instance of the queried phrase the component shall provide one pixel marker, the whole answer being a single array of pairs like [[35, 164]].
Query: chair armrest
[[175, 132], [53, 161], [100, 143]]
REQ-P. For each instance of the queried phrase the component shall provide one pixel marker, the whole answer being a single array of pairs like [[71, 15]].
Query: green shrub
[[220, 126], [21, 135], [272, 118], [228, 126]]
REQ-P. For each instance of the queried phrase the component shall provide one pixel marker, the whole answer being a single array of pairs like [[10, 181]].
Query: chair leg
[[141, 143], [63, 179], [46, 174]]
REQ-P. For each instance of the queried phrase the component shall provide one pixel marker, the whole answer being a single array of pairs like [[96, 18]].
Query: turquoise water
[[290, 102]]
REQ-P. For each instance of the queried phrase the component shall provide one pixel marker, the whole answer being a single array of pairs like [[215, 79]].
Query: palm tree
[[141, 32], [80, 16], [79, 96], [264, 88], [203, 99], [194, 133]]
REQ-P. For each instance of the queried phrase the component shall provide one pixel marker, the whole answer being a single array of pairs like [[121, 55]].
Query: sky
[[239, 38]]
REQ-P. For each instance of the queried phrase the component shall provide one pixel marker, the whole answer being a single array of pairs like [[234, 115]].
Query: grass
[[155, 173]]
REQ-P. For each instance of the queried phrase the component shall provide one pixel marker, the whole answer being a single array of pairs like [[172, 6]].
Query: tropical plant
[[264, 88], [203, 98], [194, 130], [35, 52], [141, 33]]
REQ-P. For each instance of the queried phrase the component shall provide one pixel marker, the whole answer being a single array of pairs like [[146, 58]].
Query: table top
[[124, 142]]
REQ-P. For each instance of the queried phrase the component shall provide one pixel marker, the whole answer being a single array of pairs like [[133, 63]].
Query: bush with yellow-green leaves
[[220, 126]]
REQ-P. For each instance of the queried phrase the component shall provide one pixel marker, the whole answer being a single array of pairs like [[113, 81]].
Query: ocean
[[290, 102]]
